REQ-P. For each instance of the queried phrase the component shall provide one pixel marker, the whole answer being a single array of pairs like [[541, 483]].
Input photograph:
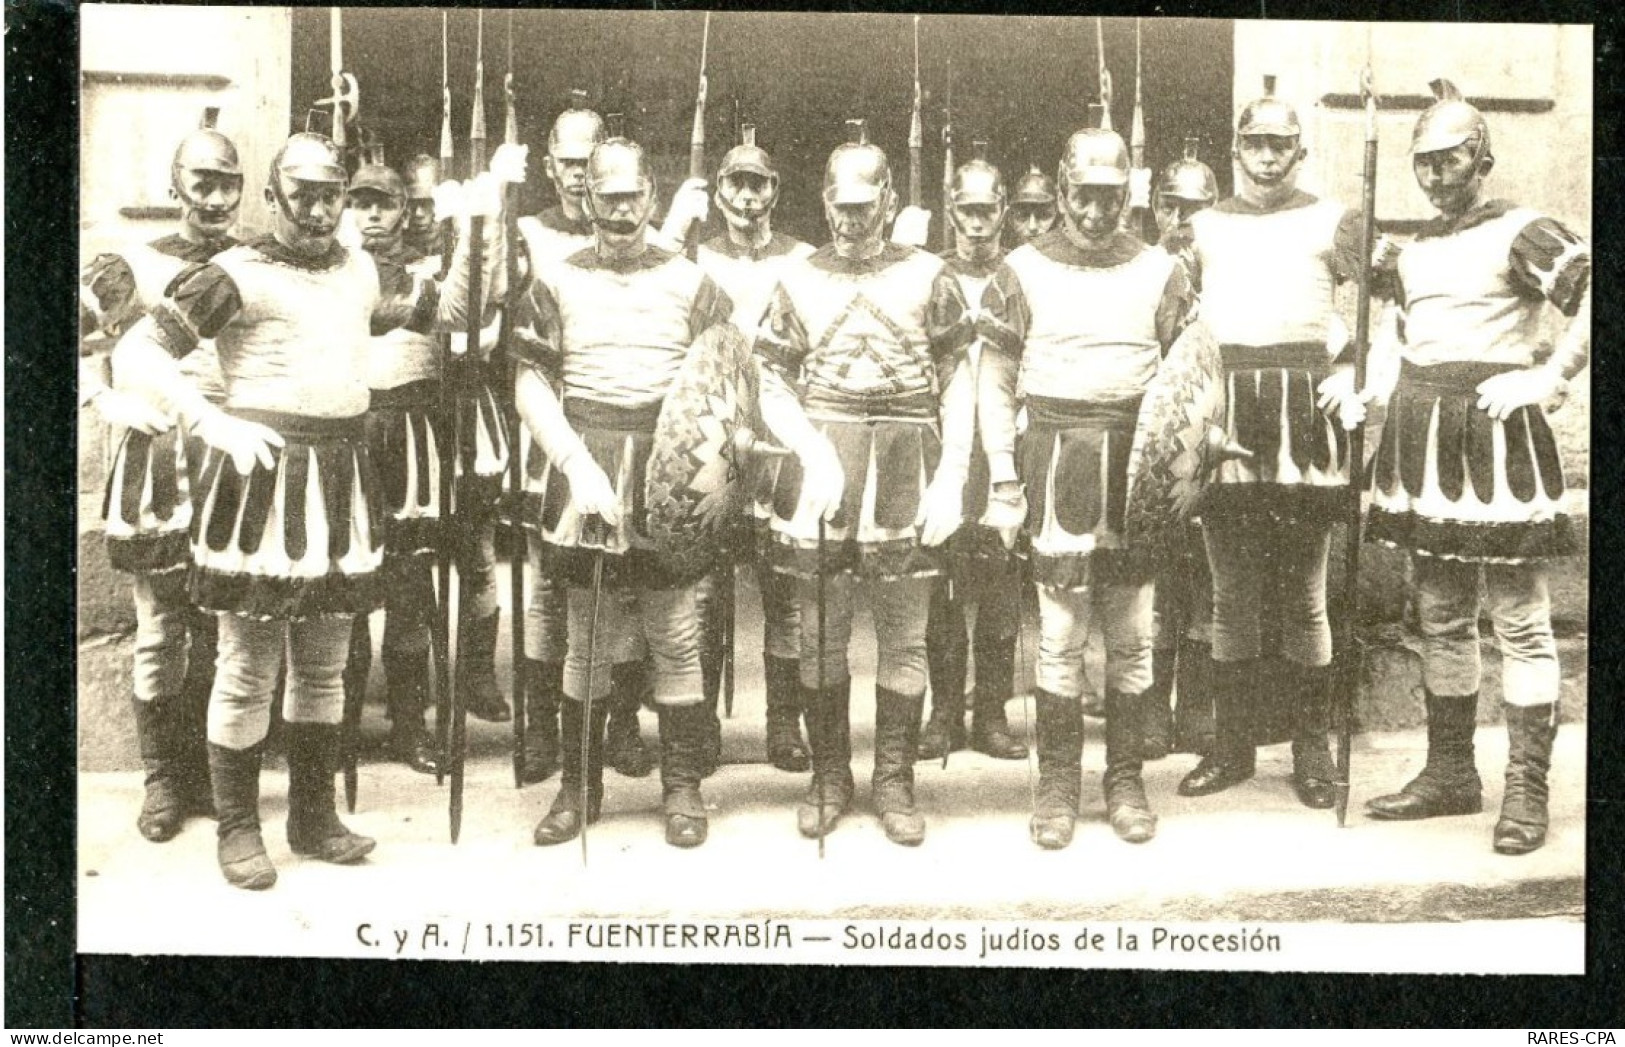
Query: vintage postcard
[[824, 489]]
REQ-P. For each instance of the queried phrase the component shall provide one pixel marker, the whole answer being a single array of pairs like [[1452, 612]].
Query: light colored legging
[[1123, 613], [161, 612], [1447, 605], [546, 612], [663, 622], [251, 652], [900, 611]]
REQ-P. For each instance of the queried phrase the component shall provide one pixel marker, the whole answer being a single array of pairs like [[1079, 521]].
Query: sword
[[1346, 680], [594, 536], [823, 691]]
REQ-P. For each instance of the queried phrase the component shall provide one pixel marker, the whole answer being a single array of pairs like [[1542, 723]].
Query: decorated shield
[[1178, 441], [696, 484]]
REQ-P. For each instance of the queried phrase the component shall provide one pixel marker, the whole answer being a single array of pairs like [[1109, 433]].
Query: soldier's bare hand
[[247, 444], [691, 203]]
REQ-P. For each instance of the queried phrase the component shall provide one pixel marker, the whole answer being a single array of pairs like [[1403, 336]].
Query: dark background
[[1022, 83]]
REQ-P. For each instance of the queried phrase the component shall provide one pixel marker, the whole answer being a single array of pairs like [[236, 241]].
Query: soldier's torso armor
[[749, 276], [867, 330], [1268, 277], [1091, 333], [1462, 300], [300, 341]]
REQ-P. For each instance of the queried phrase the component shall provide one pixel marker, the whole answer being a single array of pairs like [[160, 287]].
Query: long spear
[[916, 130], [948, 163], [516, 484], [1347, 678], [346, 98], [1105, 75], [1136, 144], [464, 426], [447, 439], [696, 140]]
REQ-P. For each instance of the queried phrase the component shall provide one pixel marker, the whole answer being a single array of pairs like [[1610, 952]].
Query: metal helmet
[[857, 172], [617, 165], [422, 175], [1034, 187], [1268, 115], [1189, 179], [977, 181], [577, 131], [374, 175], [1450, 121], [747, 156], [205, 149], [1094, 157], [308, 157]]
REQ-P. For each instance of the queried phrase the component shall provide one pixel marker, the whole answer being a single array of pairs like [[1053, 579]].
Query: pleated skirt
[[1450, 481], [147, 507], [298, 540], [1073, 461]]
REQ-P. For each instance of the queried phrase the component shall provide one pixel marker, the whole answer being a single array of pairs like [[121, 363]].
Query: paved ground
[[1252, 854]]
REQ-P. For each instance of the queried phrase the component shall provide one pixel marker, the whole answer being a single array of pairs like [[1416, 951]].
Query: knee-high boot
[[564, 818], [897, 737], [995, 680], [314, 828], [631, 686], [785, 749], [1448, 783], [829, 731], [544, 689], [684, 738], [1530, 732], [1313, 774], [1126, 806], [1233, 757], [235, 775], [1060, 769]]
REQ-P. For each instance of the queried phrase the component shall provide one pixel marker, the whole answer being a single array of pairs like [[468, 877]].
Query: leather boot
[[192, 727], [897, 737], [476, 670], [1233, 758], [684, 738], [235, 774], [1060, 769], [945, 667], [1193, 694], [631, 685], [1448, 783], [1157, 705], [829, 731], [995, 676], [314, 828], [785, 749], [563, 820], [157, 731], [1126, 806], [544, 687], [406, 685], [711, 687], [1314, 776], [1530, 732]]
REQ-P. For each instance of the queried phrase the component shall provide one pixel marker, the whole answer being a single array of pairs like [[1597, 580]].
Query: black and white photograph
[[833, 489]]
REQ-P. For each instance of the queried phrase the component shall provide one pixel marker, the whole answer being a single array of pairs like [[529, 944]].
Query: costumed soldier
[[1184, 599], [747, 261], [610, 326], [149, 504], [1269, 261], [404, 432], [873, 335], [1032, 206], [983, 576], [286, 545], [421, 232], [1074, 326], [1467, 477], [553, 235]]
